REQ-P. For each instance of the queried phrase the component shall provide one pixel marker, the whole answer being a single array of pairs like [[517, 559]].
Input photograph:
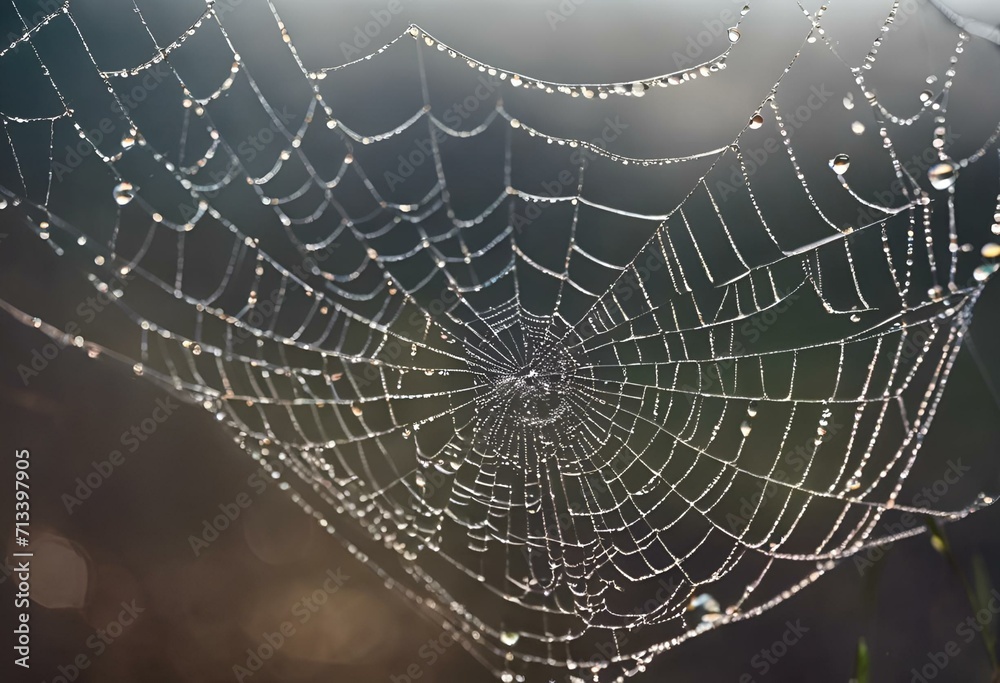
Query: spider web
[[560, 424]]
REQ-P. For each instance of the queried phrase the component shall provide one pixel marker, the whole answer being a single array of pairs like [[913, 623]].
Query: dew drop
[[705, 602], [128, 141], [853, 484], [124, 193], [356, 409], [3, 203], [840, 164], [985, 271], [745, 428], [752, 409], [757, 121], [855, 318], [926, 95], [943, 174], [849, 101], [509, 638], [734, 35], [857, 128], [991, 250]]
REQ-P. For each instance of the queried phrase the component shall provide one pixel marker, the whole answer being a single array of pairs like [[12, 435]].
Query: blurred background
[[124, 551]]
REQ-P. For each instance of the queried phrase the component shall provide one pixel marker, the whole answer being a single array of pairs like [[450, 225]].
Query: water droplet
[[752, 409], [705, 602], [926, 95], [509, 638], [757, 121], [356, 409], [990, 250], [420, 480], [128, 141], [840, 164], [124, 193], [853, 484], [943, 174], [745, 428], [985, 271], [855, 318], [849, 101], [3, 203], [734, 34], [935, 293]]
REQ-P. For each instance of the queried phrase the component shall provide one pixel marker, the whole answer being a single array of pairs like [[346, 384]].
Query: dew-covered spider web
[[577, 398]]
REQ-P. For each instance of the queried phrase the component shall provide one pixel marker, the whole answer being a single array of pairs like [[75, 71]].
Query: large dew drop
[[985, 271], [509, 638], [943, 174], [757, 121], [124, 193], [840, 164], [734, 35]]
